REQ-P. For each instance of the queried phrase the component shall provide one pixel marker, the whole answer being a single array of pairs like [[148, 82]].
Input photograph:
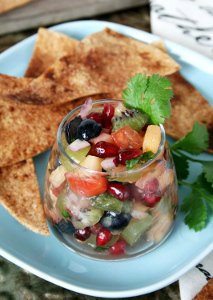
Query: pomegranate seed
[[104, 149], [119, 191], [96, 116], [118, 247], [123, 155], [82, 234], [150, 199], [95, 229], [151, 186], [108, 113], [103, 237]]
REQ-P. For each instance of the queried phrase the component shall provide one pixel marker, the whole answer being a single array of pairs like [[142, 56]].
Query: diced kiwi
[[77, 156], [61, 204], [135, 119], [87, 218], [109, 203], [136, 229]]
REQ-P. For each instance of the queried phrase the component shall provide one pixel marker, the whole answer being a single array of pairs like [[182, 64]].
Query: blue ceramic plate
[[48, 259]]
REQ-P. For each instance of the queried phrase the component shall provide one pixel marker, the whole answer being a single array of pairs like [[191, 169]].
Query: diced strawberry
[[86, 186], [127, 138]]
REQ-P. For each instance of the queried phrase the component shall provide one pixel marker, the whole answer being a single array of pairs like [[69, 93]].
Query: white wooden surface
[[45, 12]]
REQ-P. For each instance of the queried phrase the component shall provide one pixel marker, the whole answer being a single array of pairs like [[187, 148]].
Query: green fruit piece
[[163, 207], [61, 204], [87, 218], [109, 203], [77, 156], [136, 229], [131, 117]]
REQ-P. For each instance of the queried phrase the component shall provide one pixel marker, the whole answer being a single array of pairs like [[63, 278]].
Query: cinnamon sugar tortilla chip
[[6, 5], [29, 130], [26, 132], [19, 194], [49, 47], [206, 293], [11, 84], [188, 107], [103, 62]]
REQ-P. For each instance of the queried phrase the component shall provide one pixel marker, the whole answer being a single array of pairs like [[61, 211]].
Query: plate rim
[[92, 292]]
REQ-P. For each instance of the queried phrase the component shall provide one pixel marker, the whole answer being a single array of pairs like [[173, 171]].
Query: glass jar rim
[[107, 173]]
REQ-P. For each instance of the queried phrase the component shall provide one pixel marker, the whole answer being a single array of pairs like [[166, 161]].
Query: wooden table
[[16, 283]]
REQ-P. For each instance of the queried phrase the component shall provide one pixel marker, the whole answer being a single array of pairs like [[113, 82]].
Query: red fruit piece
[[150, 199], [119, 191], [104, 149], [96, 116], [123, 155], [127, 138], [82, 234], [56, 191], [108, 113], [95, 229], [118, 248], [151, 186], [103, 237], [86, 186]]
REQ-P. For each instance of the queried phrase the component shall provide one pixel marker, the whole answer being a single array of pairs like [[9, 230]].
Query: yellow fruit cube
[[152, 139]]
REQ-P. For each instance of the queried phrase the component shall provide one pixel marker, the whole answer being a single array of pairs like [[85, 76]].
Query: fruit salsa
[[110, 189]]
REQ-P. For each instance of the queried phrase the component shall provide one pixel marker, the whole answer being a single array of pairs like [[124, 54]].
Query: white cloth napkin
[[186, 22], [192, 282], [189, 23]]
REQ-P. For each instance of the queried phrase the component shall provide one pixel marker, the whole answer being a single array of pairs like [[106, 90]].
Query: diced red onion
[[86, 108], [78, 145], [109, 163]]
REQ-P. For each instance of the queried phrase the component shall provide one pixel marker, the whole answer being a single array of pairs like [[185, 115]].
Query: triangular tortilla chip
[[188, 107], [29, 130], [6, 5], [19, 194], [11, 84], [49, 47], [26, 132], [103, 62]]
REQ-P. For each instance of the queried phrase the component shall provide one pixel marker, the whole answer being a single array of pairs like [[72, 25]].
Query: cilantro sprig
[[201, 196], [150, 95], [140, 159]]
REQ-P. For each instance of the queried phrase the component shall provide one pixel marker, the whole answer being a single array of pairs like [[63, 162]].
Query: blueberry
[[65, 227], [88, 129], [115, 222], [70, 129]]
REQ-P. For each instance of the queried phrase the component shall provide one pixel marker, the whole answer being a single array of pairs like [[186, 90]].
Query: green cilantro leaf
[[149, 95], [205, 189], [195, 142], [181, 166], [99, 248], [196, 211], [208, 171], [139, 160]]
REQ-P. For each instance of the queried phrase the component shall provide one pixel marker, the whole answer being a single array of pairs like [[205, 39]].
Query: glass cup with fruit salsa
[[110, 189]]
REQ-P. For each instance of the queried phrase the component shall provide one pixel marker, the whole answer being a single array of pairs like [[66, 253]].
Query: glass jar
[[78, 205]]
